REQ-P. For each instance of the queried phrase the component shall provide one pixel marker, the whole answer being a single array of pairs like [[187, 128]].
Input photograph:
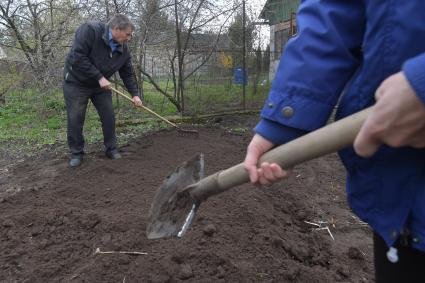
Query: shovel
[[182, 192]]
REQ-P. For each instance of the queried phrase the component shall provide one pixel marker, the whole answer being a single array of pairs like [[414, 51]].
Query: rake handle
[[145, 108], [328, 139]]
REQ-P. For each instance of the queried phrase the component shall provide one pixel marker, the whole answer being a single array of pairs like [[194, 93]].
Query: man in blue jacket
[[369, 51], [98, 52]]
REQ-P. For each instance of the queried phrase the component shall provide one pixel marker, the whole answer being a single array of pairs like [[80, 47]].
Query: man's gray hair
[[121, 22]]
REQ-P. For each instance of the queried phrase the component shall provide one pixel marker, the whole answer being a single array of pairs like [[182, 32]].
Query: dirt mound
[[53, 218]]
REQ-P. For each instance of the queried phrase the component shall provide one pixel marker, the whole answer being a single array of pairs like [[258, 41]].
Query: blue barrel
[[240, 76]]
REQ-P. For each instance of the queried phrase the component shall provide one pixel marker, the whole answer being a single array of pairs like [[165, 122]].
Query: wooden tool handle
[[144, 107], [328, 139]]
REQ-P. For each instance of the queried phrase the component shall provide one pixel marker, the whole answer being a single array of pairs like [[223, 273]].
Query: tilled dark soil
[[53, 219]]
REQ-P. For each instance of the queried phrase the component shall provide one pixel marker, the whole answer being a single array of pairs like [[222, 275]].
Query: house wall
[[277, 11], [279, 36], [280, 15], [157, 63]]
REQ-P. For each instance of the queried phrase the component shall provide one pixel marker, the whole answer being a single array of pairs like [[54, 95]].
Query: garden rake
[[157, 115]]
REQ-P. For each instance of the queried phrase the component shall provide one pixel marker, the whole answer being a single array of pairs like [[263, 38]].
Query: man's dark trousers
[[76, 99]]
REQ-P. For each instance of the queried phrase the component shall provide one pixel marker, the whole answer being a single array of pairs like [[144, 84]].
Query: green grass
[[35, 119], [24, 118]]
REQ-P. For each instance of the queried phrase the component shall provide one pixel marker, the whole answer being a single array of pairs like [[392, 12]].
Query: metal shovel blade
[[173, 208]]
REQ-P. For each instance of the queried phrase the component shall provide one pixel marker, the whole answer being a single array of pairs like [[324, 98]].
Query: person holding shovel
[[98, 51], [371, 52]]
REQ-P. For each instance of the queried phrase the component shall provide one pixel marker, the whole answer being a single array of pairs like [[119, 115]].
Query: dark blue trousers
[[76, 100], [410, 267]]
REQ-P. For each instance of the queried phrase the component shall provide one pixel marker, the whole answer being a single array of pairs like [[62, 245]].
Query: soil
[[54, 218]]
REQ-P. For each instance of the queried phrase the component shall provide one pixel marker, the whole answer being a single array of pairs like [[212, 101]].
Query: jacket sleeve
[[315, 67], [127, 75], [414, 69], [83, 43]]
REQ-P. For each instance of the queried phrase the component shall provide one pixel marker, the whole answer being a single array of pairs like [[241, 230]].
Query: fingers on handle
[[267, 172], [366, 144], [278, 172], [250, 165]]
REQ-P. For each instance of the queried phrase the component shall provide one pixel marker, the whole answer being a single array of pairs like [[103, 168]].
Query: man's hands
[[137, 101], [104, 83], [398, 118], [267, 173]]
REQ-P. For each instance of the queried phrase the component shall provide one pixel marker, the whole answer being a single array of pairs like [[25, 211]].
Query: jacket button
[[415, 240], [270, 105], [287, 111], [393, 234]]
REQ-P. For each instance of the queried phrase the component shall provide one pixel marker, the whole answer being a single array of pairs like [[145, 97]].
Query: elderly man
[[99, 50]]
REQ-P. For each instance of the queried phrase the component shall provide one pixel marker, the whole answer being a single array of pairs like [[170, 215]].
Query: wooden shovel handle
[[328, 139]]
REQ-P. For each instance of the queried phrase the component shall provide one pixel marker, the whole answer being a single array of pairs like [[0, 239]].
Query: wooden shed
[[280, 15]]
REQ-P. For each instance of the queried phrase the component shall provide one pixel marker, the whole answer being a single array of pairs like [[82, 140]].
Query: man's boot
[[75, 160], [113, 154]]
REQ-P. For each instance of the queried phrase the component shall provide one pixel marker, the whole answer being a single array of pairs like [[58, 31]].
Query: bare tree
[[39, 30], [167, 35], [153, 27], [188, 19]]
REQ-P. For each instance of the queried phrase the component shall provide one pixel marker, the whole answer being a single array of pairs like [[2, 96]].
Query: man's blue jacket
[[342, 52]]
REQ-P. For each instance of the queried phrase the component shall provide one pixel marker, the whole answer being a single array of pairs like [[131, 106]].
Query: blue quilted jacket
[[342, 52]]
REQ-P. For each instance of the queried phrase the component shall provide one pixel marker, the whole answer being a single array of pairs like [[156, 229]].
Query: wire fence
[[220, 83], [214, 80]]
